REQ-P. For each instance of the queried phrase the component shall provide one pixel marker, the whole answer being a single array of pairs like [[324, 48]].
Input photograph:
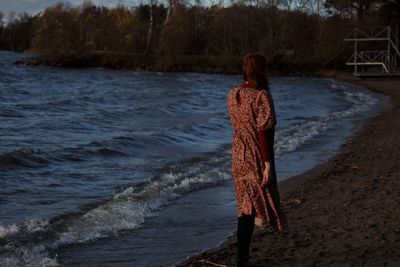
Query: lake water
[[130, 168]]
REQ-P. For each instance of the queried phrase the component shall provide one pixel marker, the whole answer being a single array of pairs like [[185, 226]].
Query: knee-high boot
[[244, 233]]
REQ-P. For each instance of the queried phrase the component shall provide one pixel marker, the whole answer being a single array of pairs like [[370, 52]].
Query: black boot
[[241, 263], [244, 233]]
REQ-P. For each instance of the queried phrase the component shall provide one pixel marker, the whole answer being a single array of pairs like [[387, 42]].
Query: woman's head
[[254, 68]]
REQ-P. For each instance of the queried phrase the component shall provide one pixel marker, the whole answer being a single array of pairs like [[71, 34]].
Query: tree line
[[291, 33]]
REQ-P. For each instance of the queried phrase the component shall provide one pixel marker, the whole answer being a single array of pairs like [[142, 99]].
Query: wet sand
[[344, 212]]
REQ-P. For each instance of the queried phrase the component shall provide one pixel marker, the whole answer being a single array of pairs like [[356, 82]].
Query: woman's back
[[250, 109], [252, 114]]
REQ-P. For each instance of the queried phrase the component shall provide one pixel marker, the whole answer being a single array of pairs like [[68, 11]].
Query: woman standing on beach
[[252, 114]]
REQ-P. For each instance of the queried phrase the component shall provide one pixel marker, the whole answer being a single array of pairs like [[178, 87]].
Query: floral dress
[[253, 119]]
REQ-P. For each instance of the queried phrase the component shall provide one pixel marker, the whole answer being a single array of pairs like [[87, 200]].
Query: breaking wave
[[126, 210], [292, 137], [33, 242]]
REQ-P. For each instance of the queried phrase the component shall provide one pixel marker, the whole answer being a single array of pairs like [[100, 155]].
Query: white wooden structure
[[374, 48]]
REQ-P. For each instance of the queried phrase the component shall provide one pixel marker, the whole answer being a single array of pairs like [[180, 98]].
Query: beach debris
[[210, 262], [291, 202], [294, 200], [351, 165]]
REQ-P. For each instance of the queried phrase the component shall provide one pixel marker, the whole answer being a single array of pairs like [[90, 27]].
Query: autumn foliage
[[187, 37]]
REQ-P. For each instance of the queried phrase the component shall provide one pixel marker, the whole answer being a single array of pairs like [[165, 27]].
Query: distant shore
[[222, 64], [343, 212]]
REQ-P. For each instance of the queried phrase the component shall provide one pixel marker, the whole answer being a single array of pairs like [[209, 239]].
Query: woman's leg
[[244, 232]]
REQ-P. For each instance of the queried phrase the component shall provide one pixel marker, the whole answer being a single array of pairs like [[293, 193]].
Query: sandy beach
[[341, 213]]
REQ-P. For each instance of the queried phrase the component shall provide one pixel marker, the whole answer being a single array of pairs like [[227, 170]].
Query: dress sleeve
[[265, 111], [231, 102], [264, 146]]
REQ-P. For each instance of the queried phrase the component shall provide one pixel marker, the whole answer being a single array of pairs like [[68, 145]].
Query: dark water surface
[[123, 168]]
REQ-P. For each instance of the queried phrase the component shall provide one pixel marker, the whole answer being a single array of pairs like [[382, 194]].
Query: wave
[[28, 157], [211, 131], [291, 138], [118, 146], [24, 157], [31, 158], [14, 253], [63, 104], [10, 113], [129, 208], [8, 230], [126, 210]]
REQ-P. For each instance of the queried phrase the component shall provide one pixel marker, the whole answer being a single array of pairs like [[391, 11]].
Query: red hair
[[254, 67]]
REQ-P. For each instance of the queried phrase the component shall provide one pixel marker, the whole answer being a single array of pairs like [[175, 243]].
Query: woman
[[252, 115]]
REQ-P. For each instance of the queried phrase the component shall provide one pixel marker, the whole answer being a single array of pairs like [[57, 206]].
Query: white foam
[[8, 230], [35, 225], [189, 184], [128, 209], [29, 226], [103, 221], [289, 139], [124, 193], [336, 85], [22, 256]]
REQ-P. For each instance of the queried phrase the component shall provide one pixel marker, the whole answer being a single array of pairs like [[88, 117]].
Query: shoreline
[[340, 212], [180, 63], [293, 184]]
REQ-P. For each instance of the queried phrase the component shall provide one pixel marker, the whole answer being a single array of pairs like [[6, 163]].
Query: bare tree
[[151, 26]]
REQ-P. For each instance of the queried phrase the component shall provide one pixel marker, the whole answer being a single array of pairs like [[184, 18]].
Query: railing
[[371, 58], [370, 34], [387, 59]]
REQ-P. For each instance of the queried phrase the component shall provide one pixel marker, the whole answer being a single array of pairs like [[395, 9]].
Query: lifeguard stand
[[376, 52]]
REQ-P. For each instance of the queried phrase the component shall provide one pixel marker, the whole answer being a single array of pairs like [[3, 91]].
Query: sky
[[35, 6]]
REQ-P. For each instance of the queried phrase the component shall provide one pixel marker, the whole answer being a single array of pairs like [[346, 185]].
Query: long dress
[[253, 119]]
